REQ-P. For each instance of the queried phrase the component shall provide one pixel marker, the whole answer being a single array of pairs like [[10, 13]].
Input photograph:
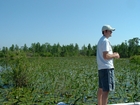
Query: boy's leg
[[105, 97], [99, 96]]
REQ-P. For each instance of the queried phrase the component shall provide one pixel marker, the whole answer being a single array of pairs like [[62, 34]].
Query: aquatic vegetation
[[72, 80]]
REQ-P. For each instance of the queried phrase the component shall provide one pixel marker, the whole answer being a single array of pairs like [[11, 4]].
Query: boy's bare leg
[[105, 97], [99, 96]]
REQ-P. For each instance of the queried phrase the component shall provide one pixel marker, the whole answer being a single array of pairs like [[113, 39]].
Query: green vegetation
[[45, 74], [73, 80], [126, 49], [135, 59]]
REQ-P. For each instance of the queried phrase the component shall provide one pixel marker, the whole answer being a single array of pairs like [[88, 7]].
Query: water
[[0, 68], [2, 85]]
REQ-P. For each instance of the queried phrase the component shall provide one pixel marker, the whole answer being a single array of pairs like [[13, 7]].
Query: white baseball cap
[[107, 27]]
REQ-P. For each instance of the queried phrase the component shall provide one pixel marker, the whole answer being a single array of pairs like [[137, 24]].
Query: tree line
[[126, 49]]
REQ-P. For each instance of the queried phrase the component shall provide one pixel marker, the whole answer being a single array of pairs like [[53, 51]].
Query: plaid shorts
[[106, 79]]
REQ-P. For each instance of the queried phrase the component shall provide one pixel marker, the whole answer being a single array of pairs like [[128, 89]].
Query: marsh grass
[[73, 80]]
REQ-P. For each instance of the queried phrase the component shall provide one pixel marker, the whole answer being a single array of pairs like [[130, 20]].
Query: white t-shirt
[[104, 45]]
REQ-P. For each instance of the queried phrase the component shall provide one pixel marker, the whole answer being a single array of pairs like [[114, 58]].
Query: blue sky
[[67, 21]]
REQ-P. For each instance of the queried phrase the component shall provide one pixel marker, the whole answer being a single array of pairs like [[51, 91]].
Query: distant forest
[[126, 49]]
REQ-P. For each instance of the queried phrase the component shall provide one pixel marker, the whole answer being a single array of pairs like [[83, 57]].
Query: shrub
[[16, 71], [1, 54], [135, 59]]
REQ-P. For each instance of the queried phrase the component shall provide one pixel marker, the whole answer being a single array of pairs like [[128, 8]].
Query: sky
[[67, 21]]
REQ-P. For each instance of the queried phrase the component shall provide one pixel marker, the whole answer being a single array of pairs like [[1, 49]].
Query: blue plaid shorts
[[106, 79]]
